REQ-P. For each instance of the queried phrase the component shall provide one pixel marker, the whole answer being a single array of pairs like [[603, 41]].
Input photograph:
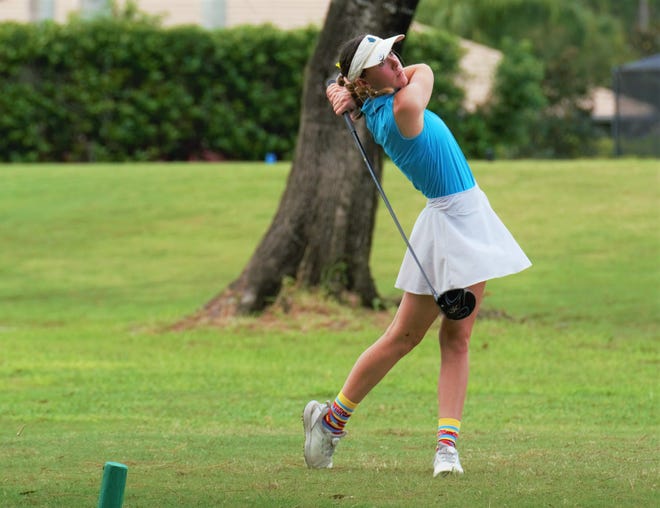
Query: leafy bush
[[123, 88], [515, 111], [117, 89]]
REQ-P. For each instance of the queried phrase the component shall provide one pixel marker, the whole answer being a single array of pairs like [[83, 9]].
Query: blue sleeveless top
[[432, 160]]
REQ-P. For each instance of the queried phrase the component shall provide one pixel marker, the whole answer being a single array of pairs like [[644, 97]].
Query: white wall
[[282, 13]]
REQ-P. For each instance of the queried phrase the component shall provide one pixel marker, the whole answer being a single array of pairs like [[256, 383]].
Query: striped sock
[[340, 411], [448, 429]]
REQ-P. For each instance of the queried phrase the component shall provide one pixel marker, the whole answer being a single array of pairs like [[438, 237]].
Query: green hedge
[[117, 89]]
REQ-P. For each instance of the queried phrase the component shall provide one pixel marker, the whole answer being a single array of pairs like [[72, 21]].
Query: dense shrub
[[117, 89], [515, 111]]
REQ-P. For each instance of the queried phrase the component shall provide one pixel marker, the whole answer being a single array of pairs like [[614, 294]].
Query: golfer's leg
[[454, 361], [411, 322]]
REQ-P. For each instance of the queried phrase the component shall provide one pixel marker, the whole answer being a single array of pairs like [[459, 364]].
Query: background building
[[209, 13]]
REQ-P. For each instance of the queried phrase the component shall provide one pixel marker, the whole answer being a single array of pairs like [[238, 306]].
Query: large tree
[[322, 231]]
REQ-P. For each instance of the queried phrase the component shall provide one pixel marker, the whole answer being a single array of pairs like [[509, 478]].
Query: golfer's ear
[[361, 82]]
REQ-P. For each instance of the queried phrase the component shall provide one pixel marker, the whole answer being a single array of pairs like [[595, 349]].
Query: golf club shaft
[[356, 138]]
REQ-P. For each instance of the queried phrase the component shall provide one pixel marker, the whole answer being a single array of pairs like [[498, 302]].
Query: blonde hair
[[361, 93]]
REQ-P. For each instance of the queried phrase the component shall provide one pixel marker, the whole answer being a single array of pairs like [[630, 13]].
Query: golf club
[[455, 303]]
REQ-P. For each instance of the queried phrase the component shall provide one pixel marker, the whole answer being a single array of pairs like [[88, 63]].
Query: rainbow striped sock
[[340, 411], [448, 429]]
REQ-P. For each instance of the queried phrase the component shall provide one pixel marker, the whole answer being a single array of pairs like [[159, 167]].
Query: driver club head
[[457, 303]]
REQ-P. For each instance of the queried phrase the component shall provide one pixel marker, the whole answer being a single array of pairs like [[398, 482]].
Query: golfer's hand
[[340, 98]]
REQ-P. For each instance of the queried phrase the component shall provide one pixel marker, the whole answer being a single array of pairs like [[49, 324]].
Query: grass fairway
[[96, 260]]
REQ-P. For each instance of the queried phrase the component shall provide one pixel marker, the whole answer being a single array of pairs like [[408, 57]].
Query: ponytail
[[361, 92]]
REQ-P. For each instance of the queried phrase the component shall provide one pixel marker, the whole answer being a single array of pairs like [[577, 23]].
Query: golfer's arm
[[411, 101], [420, 85]]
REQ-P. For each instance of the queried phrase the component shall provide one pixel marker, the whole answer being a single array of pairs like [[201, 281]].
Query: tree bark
[[322, 231]]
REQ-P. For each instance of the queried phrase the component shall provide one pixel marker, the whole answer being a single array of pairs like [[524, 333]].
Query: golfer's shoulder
[[411, 100]]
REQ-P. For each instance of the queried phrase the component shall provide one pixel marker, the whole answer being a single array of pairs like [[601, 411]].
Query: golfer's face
[[388, 73]]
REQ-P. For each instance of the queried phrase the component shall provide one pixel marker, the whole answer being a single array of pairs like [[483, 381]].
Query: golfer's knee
[[457, 342], [404, 342]]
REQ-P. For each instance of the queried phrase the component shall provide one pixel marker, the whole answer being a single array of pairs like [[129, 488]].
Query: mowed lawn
[[96, 261]]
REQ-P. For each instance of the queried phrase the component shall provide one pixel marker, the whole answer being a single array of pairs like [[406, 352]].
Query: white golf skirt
[[460, 241]]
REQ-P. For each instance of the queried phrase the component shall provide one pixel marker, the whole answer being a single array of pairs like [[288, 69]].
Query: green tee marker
[[113, 484]]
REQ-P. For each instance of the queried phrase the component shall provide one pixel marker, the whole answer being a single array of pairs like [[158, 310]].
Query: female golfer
[[458, 238]]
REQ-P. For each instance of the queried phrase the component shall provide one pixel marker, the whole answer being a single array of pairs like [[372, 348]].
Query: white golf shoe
[[446, 461], [320, 443]]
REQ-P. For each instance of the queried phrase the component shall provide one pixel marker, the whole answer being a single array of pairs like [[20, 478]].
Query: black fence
[[636, 126]]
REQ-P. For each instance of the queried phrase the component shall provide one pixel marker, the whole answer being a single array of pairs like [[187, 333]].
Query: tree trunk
[[322, 231], [643, 16]]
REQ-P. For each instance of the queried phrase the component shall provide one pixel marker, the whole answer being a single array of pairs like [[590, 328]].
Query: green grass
[[96, 260]]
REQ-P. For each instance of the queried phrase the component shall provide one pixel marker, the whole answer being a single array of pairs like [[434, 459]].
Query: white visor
[[371, 51]]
